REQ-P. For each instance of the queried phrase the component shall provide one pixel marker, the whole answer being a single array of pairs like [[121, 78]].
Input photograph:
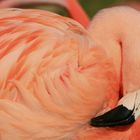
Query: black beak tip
[[115, 117]]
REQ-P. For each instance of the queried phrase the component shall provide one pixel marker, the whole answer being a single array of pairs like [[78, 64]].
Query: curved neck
[[77, 12], [116, 31]]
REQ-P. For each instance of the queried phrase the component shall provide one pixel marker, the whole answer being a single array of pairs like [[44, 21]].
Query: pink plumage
[[52, 77]]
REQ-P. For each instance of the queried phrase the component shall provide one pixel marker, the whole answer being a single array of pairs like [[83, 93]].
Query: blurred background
[[90, 6]]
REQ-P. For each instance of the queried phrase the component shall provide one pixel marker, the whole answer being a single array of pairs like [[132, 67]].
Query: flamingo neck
[[115, 30], [77, 12]]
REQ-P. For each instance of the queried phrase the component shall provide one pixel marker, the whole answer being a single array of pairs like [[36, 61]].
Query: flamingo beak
[[126, 112]]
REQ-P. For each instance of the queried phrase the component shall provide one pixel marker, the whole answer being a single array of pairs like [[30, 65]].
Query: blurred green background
[[90, 6]]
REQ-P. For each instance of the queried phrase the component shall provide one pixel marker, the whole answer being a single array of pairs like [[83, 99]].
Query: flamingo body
[[52, 77]]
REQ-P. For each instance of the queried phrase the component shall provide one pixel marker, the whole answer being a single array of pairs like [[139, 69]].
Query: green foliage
[[92, 6]]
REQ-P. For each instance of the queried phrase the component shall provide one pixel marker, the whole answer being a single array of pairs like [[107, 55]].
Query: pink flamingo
[[48, 83], [104, 64]]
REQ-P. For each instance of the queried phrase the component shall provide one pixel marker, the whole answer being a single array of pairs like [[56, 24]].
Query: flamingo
[[49, 86], [118, 39], [101, 70]]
